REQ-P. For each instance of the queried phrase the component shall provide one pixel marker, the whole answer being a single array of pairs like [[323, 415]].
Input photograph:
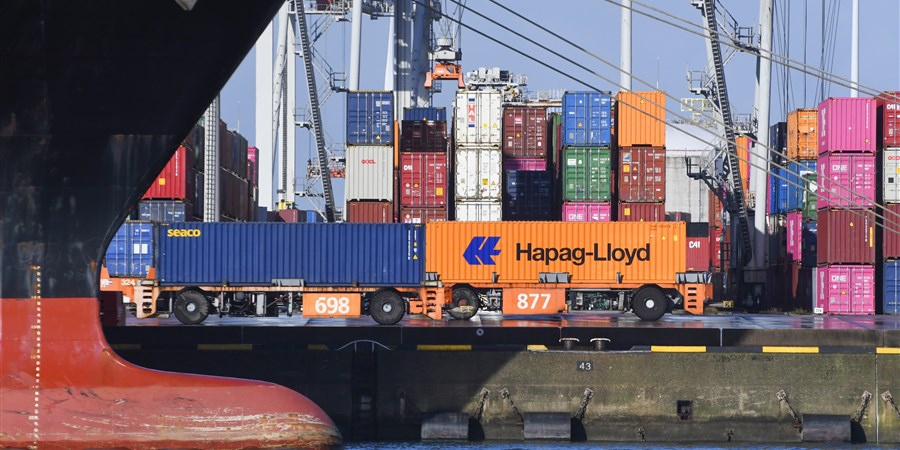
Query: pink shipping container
[[642, 212], [850, 182], [891, 231], [846, 237], [530, 164], [252, 166], [422, 215], [888, 106], [642, 174], [698, 256], [525, 132], [847, 125], [370, 212], [176, 181], [845, 290], [794, 234], [586, 212], [423, 179]]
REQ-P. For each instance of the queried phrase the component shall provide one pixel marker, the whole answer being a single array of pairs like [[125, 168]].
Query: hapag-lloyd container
[[586, 212], [528, 196], [525, 132], [641, 119], [478, 118], [424, 113], [642, 174], [890, 232], [488, 211], [478, 174], [422, 215], [587, 174], [334, 254], [370, 212], [888, 110], [513, 252], [423, 136], [802, 136], [423, 179], [846, 179], [847, 125], [176, 181], [587, 119], [641, 212], [891, 287], [369, 173], [842, 289], [891, 175], [130, 253], [533, 164], [846, 236], [370, 118]]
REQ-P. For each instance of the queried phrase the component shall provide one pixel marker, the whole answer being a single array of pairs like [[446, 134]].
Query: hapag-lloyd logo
[[482, 250]]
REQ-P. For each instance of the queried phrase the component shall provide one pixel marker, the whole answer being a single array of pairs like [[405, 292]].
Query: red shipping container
[[846, 237], [423, 136], [842, 289], [370, 212], [423, 179], [176, 181], [890, 232], [284, 215], [529, 164], [714, 210], [698, 254], [525, 132], [642, 212], [846, 179], [422, 215], [888, 107], [642, 174], [847, 125], [586, 212]]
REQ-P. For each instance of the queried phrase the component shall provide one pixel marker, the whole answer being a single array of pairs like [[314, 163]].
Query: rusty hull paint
[[62, 386]]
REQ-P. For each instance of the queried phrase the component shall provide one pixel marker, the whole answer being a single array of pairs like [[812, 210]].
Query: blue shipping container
[[778, 141], [808, 244], [311, 217], [788, 188], [320, 254], [528, 196], [418, 113], [891, 287], [587, 118], [370, 118], [165, 211], [130, 253]]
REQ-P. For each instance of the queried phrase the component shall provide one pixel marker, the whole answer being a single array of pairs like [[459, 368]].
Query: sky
[[661, 54]]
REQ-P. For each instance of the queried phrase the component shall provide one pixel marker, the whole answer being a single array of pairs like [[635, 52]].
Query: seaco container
[[891, 287], [130, 253], [891, 175], [369, 173], [165, 211], [640, 119], [586, 212], [888, 110], [478, 118], [525, 132], [370, 118], [587, 119], [642, 174], [370, 212], [788, 185], [422, 215], [319, 254], [478, 174], [890, 231], [528, 196], [423, 179], [846, 236], [802, 136], [534, 164], [642, 212], [176, 181], [490, 211], [846, 179], [587, 174], [424, 113], [518, 252], [847, 125], [423, 136], [844, 289]]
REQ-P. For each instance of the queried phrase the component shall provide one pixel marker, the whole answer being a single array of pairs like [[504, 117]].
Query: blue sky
[[661, 53]]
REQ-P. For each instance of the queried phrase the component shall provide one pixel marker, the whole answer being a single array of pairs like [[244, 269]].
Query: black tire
[[191, 307], [465, 304], [387, 308], [649, 303]]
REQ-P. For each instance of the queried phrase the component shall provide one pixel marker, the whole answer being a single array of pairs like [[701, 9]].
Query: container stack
[[369, 182], [234, 188], [177, 192], [424, 165], [845, 276], [641, 139], [586, 158], [888, 138], [528, 184], [478, 162]]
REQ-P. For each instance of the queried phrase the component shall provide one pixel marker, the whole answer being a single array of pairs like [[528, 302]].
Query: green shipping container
[[587, 174], [810, 213]]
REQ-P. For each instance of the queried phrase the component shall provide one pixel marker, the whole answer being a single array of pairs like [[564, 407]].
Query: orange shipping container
[[743, 150], [802, 141], [639, 121], [591, 252]]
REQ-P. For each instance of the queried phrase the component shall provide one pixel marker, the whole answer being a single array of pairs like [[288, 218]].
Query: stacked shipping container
[[369, 182], [586, 157], [478, 164], [528, 192], [794, 203], [424, 165], [888, 140], [641, 139]]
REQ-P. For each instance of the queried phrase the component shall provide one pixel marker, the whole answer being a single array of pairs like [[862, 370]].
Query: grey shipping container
[[369, 173]]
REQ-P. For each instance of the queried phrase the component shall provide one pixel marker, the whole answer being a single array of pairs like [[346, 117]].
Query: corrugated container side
[[424, 113], [534, 164], [714, 212], [697, 254], [370, 212], [423, 136], [743, 146], [888, 110], [131, 251], [528, 196], [844, 289], [641, 119], [642, 174], [422, 215], [587, 174], [525, 132], [802, 239], [641, 212], [331, 254], [195, 144], [778, 141], [802, 136], [166, 211], [890, 231], [587, 119], [478, 118], [176, 181], [311, 216], [847, 125], [890, 175], [556, 144], [891, 287], [284, 215], [846, 237], [370, 118], [846, 179], [423, 179], [478, 174], [369, 173], [253, 166], [810, 196], [474, 252], [479, 211], [234, 194], [789, 185], [586, 212]]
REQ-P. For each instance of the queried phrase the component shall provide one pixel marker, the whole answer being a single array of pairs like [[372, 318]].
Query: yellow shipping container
[[636, 119], [802, 140], [593, 253]]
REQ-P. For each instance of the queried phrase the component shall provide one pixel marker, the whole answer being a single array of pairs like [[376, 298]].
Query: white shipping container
[[479, 211], [891, 178], [369, 173], [479, 172], [479, 117]]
